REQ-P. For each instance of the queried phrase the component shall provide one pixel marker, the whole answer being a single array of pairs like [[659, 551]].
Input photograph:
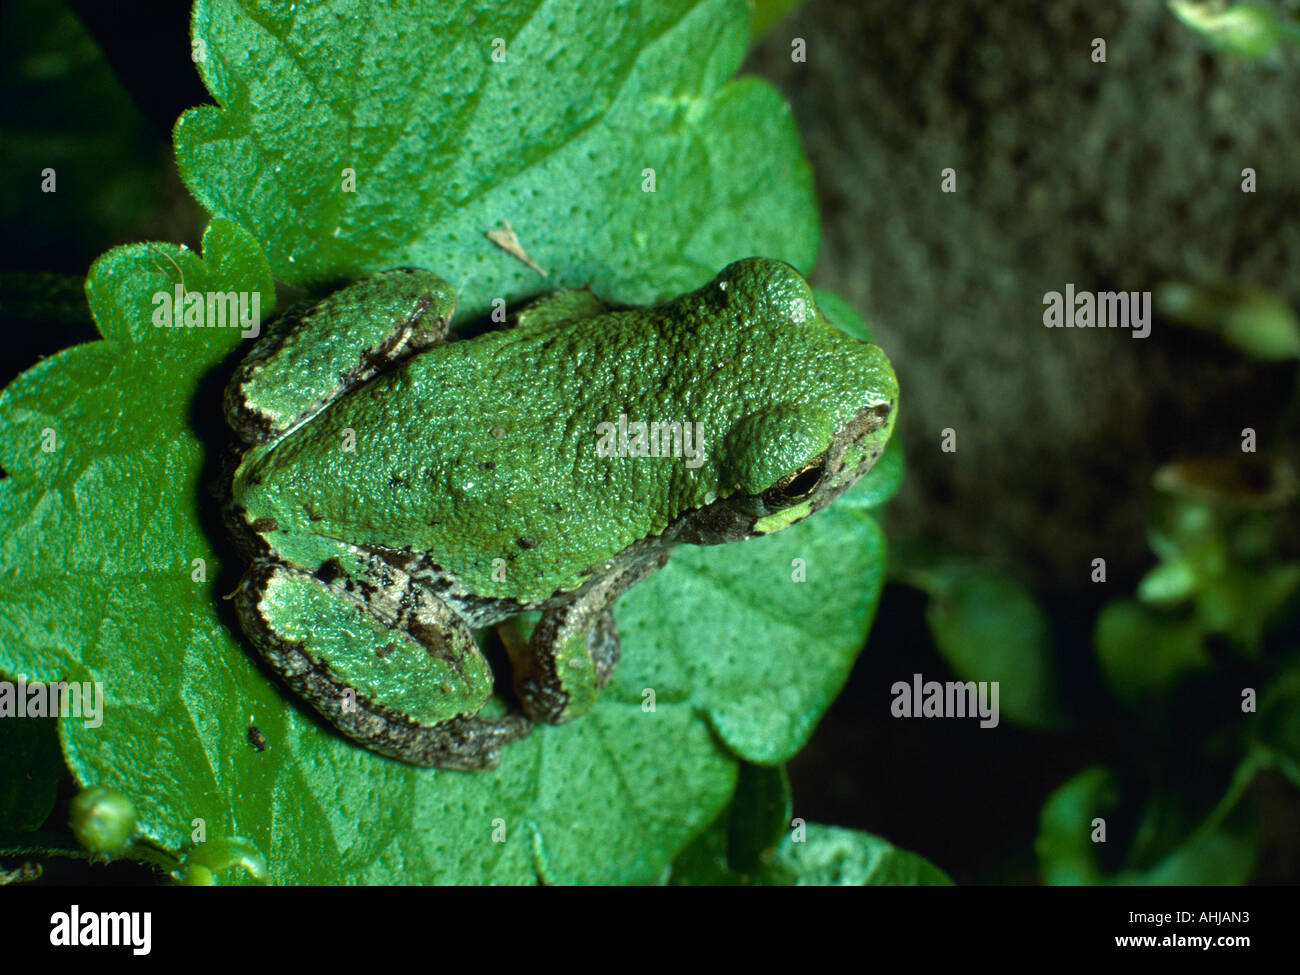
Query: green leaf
[[1065, 824], [101, 534], [762, 634], [703, 862], [766, 13], [1209, 857], [102, 531], [1143, 651], [1067, 854], [1277, 728], [447, 143], [738, 845], [30, 770], [832, 856], [842, 315], [760, 815], [1246, 29], [810, 855], [881, 482], [1242, 601], [989, 627], [1257, 322], [1168, 583]]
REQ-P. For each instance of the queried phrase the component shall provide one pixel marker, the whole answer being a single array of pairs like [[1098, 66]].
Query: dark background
[[1122, 175]]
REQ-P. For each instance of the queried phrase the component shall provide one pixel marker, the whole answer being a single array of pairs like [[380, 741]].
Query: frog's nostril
[[875, 417]]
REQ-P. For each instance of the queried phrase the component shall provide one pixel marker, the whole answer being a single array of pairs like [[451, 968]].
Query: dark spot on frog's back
[[256, 738], [330, 571], [397, 558], [265, 525], [435, 643], [384, 651], [526, 543]]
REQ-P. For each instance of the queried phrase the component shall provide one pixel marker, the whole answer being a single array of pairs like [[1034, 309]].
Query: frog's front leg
[[310, 358], [574, 647], [402, 676]]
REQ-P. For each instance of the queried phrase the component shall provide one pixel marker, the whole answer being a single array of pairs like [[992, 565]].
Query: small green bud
[[1168, 582], [202, 865], [196, 875], [1247, 30], [102, 819]]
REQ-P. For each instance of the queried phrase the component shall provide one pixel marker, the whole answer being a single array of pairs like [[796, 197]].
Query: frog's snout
[[875, 417], [869, 421], [864, 446]]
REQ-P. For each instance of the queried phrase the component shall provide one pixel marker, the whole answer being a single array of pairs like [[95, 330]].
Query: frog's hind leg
[[314, 354], [574, 648], [405, 680]]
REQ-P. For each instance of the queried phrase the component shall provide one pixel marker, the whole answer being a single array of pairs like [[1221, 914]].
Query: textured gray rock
[[1111, 176]]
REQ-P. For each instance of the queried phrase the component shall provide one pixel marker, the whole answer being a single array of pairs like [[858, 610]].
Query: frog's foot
[[575, 647], [312, 356], [406, 681]]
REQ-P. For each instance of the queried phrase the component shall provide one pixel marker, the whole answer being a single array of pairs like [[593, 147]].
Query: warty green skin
[[475, 486]]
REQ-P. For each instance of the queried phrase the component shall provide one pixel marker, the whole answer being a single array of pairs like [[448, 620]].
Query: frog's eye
[[796, 485]]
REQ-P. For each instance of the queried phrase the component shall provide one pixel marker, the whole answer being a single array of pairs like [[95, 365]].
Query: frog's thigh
[[406, 689], [574, 648], [307, 360]]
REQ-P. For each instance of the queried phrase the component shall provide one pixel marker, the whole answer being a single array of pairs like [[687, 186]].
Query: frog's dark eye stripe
[[796, 485]]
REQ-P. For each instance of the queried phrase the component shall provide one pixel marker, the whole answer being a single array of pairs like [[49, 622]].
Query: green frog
[[399, 488]]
